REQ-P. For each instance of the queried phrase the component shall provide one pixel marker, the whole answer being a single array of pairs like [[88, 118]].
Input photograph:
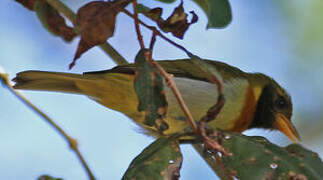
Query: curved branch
[[71, 141]]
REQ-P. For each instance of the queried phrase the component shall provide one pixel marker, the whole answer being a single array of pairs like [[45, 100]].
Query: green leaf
[[167, 1], [217, 11], [47, 177], [149, 88], [160, 160], [257, 158]]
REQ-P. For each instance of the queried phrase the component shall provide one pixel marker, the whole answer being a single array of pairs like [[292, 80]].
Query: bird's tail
[[108, 89], [48, 81]]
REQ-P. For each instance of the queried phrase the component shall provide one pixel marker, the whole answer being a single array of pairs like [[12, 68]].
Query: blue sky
[[257, 40]]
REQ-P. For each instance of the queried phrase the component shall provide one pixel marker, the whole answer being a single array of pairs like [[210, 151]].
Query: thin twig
[[168, 77], [71, 141], [106, 47], [157, 32], [152, 42], [140, 39], [172, 85], [211, 143], [211, 114]]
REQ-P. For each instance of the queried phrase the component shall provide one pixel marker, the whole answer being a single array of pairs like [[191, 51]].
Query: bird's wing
[[182, 68]]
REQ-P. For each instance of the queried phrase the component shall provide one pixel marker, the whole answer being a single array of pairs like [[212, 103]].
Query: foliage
[[160, 160], [150, 91], [257, 158]]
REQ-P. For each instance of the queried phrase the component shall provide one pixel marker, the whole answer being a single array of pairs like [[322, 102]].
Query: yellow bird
[[253, 100]]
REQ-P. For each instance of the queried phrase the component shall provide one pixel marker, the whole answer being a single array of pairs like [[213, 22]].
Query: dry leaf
[[29, 4], [97, 23], [177, 22]]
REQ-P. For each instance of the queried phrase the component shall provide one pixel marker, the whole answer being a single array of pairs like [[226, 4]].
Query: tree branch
[[172, 85], [71, 141]]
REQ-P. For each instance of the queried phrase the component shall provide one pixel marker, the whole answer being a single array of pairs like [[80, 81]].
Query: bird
[[252, 100]]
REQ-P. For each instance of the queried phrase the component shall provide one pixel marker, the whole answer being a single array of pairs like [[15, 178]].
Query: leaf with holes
[[160, 160], [218, 11], [257, 158], [149, 88], [176, 23]]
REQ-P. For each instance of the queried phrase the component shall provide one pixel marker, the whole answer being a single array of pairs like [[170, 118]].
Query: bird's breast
[[200, 96], [116, 91]]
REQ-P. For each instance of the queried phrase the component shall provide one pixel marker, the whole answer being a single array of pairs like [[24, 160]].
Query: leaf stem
[[71, 141], [106, 47]]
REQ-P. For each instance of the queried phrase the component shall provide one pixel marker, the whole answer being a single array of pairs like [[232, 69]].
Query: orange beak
[[283, 124]]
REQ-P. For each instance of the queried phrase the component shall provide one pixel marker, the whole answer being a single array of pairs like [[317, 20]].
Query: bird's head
[[274, 108]]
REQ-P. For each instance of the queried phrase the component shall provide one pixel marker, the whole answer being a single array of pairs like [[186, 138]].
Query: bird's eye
[[281, 103]]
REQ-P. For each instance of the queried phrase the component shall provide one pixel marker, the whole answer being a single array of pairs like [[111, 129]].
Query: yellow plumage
[[114, 89]]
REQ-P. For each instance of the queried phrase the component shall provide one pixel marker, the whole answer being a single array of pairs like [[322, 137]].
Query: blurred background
[[282, 39]]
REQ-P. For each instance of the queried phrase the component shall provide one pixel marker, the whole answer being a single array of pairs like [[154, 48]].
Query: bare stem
[[71, 141], [172, 85], [140, 39], [157, 32], [106, 47], [152, 42], [211, 114]]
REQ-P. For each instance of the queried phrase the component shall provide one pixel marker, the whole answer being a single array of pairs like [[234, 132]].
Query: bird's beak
[[284, 125]]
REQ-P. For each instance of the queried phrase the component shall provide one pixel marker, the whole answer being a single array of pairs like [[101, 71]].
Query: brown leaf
[[153, 14], [177, 22], [29, 4], [97, 23], [53, 21], [50, 18], [58, 25]]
